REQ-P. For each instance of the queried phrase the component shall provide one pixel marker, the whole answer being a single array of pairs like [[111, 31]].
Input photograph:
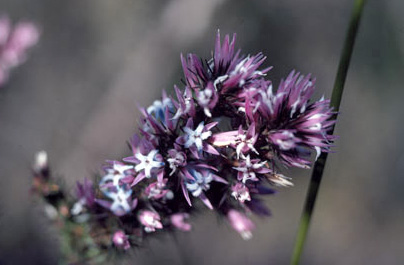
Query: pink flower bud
[[178, 220], [120, 240], [241, 223], [151, 220]]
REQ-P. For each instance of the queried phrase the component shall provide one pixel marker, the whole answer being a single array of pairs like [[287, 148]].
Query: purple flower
[[252, 98], [114, 185], [178, 221], [240, 192], [121, 240], [159, 107], [291, 123], [226, 70], [197, 180], [86, 191], [207, 99], [231, 70], [150, 220], [241, 140], [241, 223], [156, 190], [196, 140], [284, 139], [86, 194], [176, 159], [159, 118], [148, 162], [122, 202], [117, 173], [249, 168], [186, 105], [245, 71], [309, 122]]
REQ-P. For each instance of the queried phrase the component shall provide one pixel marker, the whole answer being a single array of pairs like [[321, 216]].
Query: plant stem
[[335, 104]]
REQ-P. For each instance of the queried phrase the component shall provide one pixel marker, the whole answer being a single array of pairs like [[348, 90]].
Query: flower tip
[[41, 161]]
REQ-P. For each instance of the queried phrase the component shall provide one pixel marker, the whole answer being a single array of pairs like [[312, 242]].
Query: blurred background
[[98, 60]]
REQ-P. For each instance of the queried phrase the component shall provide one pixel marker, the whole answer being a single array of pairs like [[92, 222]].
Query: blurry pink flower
[[14, 44], [241, 223], [178, 220], [120, 240], [156, 190], [151, 220]]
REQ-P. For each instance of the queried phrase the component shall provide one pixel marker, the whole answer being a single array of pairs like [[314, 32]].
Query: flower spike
[[222, 141]]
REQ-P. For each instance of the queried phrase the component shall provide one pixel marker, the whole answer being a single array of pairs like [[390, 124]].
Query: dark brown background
[[77, 98]]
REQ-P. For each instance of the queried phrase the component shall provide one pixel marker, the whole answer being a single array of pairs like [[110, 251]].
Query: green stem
[[335, 104]]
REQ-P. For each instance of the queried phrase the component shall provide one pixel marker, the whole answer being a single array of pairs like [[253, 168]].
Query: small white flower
[[196, 137], [288, 143], [120, 200], [41, 161], [147, 163], [248, 170], [178, 159], [51, 212], [78, 207], [115, 174], [199, 184], [204, 99], [158, 108]]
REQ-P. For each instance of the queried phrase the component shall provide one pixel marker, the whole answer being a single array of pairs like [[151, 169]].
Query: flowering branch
[[335, 104], [222, 143]]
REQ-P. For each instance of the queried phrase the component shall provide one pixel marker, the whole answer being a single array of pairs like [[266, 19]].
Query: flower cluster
[[220, 141], [14, 43]]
